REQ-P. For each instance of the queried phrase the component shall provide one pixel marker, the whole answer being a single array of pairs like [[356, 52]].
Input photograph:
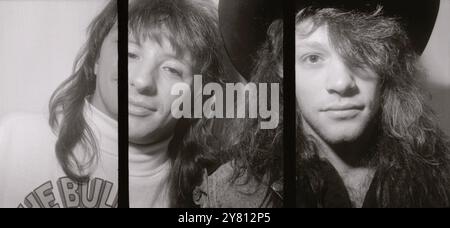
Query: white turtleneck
[[30, 174], [149, 169]]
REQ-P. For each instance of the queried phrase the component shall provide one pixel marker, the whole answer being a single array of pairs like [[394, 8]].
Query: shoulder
[[221, 190]]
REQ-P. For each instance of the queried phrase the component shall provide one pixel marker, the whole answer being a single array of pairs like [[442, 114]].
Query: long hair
[[410, 152], [191, 26], [254, 153], [67, 102], [258, 153]]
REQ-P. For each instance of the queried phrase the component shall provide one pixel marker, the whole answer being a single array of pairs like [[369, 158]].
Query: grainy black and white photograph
[[210, 105], [58, 105], [372, 86], [195, 138]]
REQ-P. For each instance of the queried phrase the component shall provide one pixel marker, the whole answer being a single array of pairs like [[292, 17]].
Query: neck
[[345, 156], [351, 161], [144, 159], [103, 127]]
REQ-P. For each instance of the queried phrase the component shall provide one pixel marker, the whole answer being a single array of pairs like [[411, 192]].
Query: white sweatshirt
[[30, 175]]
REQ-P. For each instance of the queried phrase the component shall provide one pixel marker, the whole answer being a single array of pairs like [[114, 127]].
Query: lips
[[343, 107], [343, 111], [138, 108]]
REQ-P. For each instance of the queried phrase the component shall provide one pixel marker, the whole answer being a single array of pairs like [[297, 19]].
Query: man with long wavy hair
[[370, 140], [365, 135]]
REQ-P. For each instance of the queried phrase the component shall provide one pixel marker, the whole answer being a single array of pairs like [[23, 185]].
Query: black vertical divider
[[289, 103], [123, 193]]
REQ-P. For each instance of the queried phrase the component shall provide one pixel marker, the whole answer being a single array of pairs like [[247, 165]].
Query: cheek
[[371, 92], [107, 61], [307, 89], [107, 77], [107, 82], [107, 69], [165, 96]]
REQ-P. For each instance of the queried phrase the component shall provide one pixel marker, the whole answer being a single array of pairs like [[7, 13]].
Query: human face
[[337, 102], [153, 69], [105, 95]]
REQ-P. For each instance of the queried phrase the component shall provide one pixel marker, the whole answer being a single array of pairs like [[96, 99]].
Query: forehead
[[307, 36], [164, 43]]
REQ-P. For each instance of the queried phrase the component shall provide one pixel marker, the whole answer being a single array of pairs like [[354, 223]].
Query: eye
[[132, 55], [173, 71], [312, 59]]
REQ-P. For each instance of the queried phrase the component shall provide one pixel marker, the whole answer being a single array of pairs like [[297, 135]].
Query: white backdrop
[[39, 40]]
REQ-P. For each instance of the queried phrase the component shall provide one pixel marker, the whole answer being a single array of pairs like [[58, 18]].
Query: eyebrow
[[167, 54], [312, 45], [182, 60], [134, 43]]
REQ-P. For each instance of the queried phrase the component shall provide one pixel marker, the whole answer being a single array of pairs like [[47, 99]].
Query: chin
[[139, 137], [138, 131], [339, 139], [342, 134]]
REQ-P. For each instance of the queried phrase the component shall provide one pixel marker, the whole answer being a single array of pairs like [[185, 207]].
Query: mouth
[[139, 109], [343, 111]]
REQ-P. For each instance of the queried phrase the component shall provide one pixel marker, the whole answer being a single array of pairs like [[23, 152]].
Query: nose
[[143, 79], [341, 80]]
